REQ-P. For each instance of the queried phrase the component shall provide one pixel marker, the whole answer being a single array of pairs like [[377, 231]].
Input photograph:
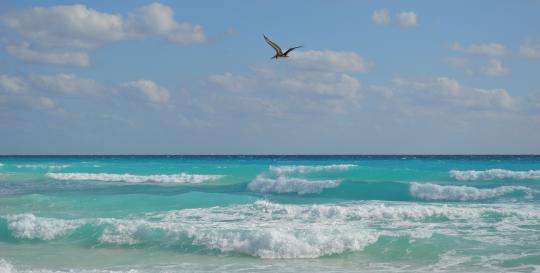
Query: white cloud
[[311, 81], [340, 86], [381, 17], [494, 68], [485, 49], [291, 90], [66, 26], [56, 34], [150, 90], [329, 61], [232, 82], [529, 50], [407, 19], [27, 54], [16, 89], [442, 92], [13, 85], [159, 19]]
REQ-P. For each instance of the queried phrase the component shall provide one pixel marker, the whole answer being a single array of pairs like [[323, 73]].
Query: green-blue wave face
[[270, 213]]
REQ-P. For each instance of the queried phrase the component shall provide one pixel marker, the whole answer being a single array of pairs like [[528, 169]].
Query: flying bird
[[279, 52]]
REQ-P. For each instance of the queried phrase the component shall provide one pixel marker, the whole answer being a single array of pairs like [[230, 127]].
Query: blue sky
[[174, 77]]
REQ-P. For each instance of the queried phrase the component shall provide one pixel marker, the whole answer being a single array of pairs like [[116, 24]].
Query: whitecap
[[269, 230], [494, 174], [429, 191], [28, 226], [42, 166], [283, 184], [131, 178], [309, 169]]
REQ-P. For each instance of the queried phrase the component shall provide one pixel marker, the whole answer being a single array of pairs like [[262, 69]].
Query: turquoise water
[[270, 214]]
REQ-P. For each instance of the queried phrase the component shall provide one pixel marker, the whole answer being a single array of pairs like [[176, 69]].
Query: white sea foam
[[494, 174], [28, 226], [7, 267], [429, 191], [283, 184], [309, 169], [42, 166], [131, 178], [270, 230]]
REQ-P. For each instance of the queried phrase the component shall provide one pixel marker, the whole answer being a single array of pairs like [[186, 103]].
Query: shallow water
[[269, 213]]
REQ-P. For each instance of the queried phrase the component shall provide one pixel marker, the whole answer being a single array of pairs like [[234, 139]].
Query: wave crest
[[494, 174], [309, 169], [283, 184], [429, 191], [42, 166], [28, 226], [269, 230], [181, 178]]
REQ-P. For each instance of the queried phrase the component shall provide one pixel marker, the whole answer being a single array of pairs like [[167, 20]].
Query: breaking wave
[[310, 169], [277, 180], [429, 191], [28, 226], [283, 184], [269, 230], [42, 166], [494, 174], [181, 178]]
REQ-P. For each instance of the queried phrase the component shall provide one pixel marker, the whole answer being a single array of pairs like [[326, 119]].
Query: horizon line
[[262, 154]]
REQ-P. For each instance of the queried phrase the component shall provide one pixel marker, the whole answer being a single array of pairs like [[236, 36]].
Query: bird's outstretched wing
[[273, 45], [291, 49]]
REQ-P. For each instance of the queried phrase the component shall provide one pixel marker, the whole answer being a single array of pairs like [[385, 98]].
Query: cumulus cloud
[[158, 19], [17, 90], [313, 81], [529, 50], [329, 61], [442, 92], [491, 53], [149, 90], [484, 49], [57, 34], [407, 19], [494, 68], [25, 53], [381, 17], [340, 86]]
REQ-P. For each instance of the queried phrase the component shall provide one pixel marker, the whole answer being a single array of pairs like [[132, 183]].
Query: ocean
[[270, 213]]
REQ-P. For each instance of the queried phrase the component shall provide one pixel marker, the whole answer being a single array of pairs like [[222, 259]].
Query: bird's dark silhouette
[[279, 52]]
